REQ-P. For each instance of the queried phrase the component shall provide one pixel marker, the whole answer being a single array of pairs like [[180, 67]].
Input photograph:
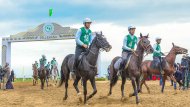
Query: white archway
[[43, 32]]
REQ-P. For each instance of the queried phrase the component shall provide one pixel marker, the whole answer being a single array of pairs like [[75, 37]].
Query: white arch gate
[[43, 32]]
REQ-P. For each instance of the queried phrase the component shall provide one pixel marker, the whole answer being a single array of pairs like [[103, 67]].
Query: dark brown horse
[[43, 75], [87, 67], [35, 74], [167, 64], [133, 69]]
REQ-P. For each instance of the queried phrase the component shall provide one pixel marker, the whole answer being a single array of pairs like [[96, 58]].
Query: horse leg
[[84, 89], [137, 83], [163, 83], [41, 83], [75, 84], [135, 90], [92, 81], [46, 81], [122, 86], [142, 81], [66, 87], [148, 89], [43, 80], [110, 91]]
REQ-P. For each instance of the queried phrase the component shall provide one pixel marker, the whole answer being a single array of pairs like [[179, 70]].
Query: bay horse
[[35, 74], [133, 69], [167, 64], [43, 75], [87, 67]]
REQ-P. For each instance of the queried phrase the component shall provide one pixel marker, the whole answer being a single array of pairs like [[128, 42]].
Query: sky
[[169, 20]]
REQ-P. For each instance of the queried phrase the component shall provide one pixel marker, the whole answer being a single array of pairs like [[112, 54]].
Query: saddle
[[126, 62], [79, 60]]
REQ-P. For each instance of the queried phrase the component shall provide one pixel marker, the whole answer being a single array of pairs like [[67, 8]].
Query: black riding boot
[[121, 67]]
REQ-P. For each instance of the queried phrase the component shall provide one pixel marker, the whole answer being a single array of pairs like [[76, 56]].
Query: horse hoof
[[109, 94], [131, 94], [79, 97], [123, 98], [65, 98]]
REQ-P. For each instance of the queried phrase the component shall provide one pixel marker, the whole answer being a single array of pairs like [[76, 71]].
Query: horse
[[35, 74], [55, 74], [86, 68], [132, 71], [43, 76], [167, 64]]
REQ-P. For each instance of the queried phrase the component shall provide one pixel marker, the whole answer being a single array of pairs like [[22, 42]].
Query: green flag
[[50, 12]]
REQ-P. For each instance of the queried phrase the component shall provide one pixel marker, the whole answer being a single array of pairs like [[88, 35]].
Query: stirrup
[[119, 73]]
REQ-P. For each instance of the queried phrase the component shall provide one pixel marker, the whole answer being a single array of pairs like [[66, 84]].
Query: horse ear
[[140, 35], [147, 35], [173, 44]]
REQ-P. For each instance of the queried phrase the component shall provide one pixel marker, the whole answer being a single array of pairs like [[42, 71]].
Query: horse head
[[179, 50], [102, 42], [145, 43]]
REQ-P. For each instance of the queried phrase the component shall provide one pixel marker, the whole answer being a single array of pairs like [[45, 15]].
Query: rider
[[129, 43], [48, 65], [157, 54], [53, 63], [43, 62], [36, 63], [184, 68], [83, 38]]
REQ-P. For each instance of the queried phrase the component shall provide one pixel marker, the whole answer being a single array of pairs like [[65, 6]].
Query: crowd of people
[[6, 77], [182, 73]]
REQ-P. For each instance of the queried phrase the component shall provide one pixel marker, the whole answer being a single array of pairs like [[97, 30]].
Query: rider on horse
[[43, 62], [53, 63], [83, 39], [157, 54], [129, 43]]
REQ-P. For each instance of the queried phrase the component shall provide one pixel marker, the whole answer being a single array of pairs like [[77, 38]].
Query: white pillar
[[6, 53]]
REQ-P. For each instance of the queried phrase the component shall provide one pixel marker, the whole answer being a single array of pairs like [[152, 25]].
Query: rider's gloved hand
[[85, 46]]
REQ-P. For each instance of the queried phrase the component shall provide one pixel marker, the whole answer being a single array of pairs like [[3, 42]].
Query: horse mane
[[88, 50]]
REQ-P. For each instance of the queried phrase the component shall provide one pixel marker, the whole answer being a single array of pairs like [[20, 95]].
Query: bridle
[[144, 47]]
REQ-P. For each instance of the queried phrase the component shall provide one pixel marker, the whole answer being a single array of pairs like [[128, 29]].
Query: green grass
[[30, 79], [25, 80]]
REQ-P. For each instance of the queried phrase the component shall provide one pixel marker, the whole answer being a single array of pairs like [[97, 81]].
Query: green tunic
[[85, 36], [157, 54]]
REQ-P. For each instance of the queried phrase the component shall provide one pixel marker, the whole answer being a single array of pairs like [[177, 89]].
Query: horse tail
[[113, 72], [64, 67]]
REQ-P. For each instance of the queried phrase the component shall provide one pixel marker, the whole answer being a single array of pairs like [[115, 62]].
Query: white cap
[[131, 27], [158, 38], [87, 20]]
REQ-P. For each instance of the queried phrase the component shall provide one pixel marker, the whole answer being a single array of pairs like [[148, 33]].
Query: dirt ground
[[26, 95]]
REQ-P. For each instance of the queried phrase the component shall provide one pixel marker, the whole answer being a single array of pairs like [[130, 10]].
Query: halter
[[101, 43], [144, 47]]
